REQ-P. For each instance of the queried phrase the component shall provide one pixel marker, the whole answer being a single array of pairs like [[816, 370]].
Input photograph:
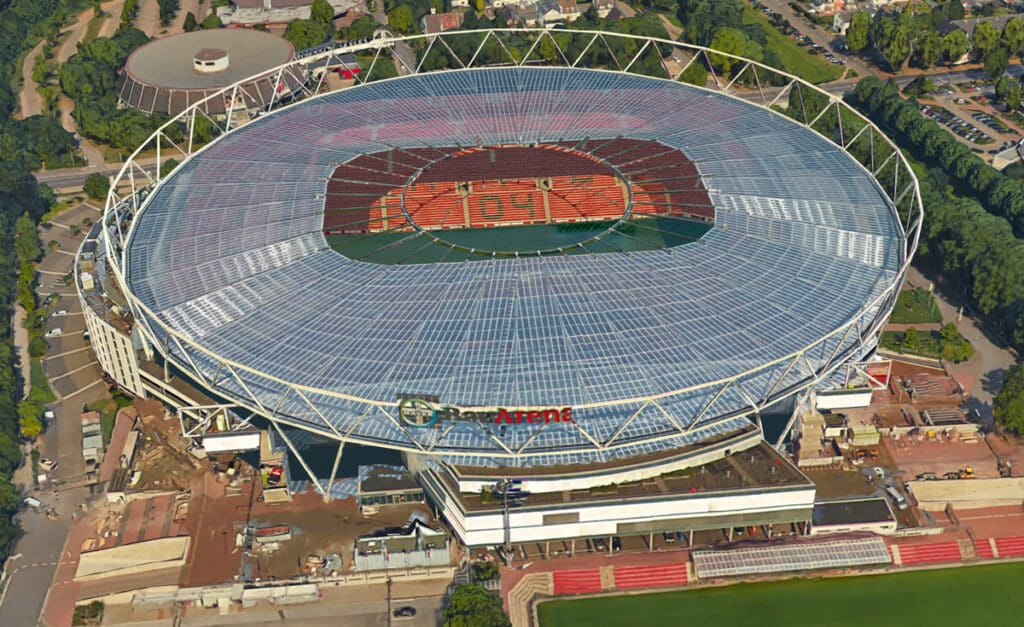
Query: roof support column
[[334, 472]]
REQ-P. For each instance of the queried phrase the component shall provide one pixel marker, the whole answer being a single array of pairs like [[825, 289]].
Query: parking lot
[[957, 125]]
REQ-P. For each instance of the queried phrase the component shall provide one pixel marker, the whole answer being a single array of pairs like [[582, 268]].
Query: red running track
[[577, 581], [629, 577]]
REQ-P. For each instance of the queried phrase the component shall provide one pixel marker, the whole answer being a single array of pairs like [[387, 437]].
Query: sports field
[[978, 595]]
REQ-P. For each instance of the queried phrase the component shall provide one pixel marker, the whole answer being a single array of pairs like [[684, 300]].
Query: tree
[[909, 339], [985, 38], [955, 45], [27, 245], [996, 63], [928, 49], [1001, 86], [168, 9], [1008, 407], [401, 19], [704, 18], [892, 40], [37, 347], [322, 12], [857, 32], [472, 605], [365, 26], [1013, 36], [1013, 96], [695, 74], [96, 186], [211, 22], [190, 22], [485, 570], [167, 167], [305, 33], [733, 41], [29, 424]]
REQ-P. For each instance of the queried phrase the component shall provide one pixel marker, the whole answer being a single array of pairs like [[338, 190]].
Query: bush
[[37, 347], [96, 186], [482, 571]]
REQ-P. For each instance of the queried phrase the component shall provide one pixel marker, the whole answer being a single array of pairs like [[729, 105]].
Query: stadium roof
[[229, 253]]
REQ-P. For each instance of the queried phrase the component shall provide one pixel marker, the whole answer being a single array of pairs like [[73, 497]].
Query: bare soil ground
[[29, 101]]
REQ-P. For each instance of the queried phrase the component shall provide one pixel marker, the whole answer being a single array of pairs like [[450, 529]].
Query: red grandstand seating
[[931, 553], [627, 577], [363, 194], [577, 581], [983, 547], [1010, 547]]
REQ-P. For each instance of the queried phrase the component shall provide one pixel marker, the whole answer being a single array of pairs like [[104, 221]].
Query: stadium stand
[[513, 185], [630, 577], [1010, 547], [782, 558], [931, 553], [577, 581], [985, 548]]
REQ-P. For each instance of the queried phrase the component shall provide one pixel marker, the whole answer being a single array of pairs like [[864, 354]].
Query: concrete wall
[[603, 519], [933, 495]]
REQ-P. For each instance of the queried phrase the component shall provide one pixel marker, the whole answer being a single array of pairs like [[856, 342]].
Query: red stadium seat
[[630, 577], [577, 581]]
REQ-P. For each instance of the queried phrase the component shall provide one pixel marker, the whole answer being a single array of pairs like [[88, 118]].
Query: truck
[[897, 498]]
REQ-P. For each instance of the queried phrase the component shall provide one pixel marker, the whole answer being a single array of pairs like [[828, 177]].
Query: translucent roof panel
[[229, 252], [791, 557]]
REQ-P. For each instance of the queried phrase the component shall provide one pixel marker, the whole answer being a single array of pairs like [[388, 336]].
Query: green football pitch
[[967, 596]]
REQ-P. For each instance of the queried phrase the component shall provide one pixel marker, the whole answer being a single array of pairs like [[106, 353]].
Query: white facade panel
[[843, 399], [231, 441]]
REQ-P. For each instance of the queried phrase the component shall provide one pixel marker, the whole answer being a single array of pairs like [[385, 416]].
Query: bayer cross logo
[[417, 412]]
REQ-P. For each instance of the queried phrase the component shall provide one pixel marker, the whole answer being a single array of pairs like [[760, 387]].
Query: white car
[[54, 332], [59, 313]]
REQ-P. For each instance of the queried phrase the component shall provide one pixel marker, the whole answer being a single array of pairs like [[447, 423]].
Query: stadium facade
[[564, 294]]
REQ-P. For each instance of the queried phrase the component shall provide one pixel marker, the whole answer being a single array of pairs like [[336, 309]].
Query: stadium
[[172, 74], [534, 281]]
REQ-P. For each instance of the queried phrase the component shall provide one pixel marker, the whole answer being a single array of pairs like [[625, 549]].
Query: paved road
[[40, 545], [363, 614], [991, 355]]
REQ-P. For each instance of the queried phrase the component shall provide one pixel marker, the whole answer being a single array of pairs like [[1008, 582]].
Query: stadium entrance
[[455, 204]]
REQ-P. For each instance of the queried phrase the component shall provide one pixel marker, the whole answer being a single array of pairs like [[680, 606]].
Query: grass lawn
[[108, 412], [979, 595], [796, 60], [915, 306], [41, 391]]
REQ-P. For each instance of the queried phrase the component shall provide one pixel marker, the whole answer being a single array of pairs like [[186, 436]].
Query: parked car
[[404, 611], [59, 313], [54, 332]]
